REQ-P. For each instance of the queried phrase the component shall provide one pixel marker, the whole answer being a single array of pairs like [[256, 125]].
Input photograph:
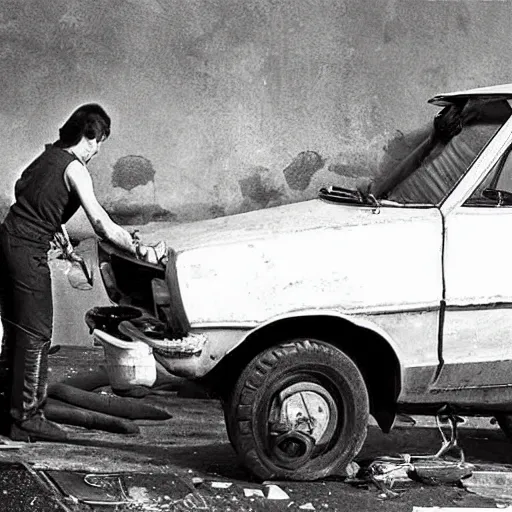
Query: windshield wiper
[[341, 195], [345, 195]]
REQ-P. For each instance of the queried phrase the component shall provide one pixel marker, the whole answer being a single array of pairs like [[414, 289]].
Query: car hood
[[248, 268], [266, 223]]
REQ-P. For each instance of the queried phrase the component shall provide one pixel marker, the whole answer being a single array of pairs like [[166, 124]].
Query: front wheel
[[298, 411]]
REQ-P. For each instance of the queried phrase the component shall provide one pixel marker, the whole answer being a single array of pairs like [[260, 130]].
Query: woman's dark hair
[[88, 120]]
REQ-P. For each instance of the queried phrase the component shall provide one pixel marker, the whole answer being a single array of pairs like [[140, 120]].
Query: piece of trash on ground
[[221, 485], [249, 493], [93, 489], [138, 494], [352, 469], [307, 506], [440, 471], [274, 492], [196, 481], [391, 469], [385, 471], [191, 501]]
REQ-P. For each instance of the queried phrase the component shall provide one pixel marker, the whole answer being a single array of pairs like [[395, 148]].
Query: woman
[[49, 192]]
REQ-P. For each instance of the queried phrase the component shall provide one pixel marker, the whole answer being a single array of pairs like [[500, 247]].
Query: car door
[[476, 342]]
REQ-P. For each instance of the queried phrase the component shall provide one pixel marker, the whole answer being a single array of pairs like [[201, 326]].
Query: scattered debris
[[249, 493], [352, 469], [434, 472], [132, 491], [197, 481], [93, 489], [221, 485], [385, 471], [391, 469], [435, 469], [274, 492], [138, 494]]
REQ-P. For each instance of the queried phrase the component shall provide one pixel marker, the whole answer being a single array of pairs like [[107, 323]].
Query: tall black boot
[[30, 379], [6, 362], [5, 398]]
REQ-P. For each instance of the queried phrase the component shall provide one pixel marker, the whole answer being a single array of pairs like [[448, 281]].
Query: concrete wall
[[221, 106]]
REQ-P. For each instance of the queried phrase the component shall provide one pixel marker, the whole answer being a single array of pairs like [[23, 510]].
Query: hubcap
[[303, 419]]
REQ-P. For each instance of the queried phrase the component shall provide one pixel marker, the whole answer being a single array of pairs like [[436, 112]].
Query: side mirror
[[500, 197]]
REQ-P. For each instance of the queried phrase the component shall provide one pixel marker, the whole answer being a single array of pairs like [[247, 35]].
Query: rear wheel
[[298, 411]]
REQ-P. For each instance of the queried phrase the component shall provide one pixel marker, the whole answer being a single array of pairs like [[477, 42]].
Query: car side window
[[496, 189], [504, 181]]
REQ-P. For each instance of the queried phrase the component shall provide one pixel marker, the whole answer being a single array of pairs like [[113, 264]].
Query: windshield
[[429, 173]]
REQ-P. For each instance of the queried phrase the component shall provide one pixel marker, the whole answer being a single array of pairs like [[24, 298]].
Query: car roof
[[503, 91]]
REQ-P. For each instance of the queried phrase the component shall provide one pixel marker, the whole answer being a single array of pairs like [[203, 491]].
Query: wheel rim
[[303, 421]]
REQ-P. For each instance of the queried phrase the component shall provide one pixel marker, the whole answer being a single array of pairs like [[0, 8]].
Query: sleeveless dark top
[[43, 201]]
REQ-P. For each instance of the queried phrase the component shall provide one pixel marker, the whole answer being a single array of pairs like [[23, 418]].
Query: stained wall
[[223, 106]]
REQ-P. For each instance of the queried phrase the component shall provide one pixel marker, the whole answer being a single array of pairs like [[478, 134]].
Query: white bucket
[[128, 363]]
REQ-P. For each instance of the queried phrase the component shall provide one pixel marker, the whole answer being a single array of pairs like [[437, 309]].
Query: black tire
[[314, 367]]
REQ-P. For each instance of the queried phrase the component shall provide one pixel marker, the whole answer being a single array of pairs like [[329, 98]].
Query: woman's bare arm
[[79, 180]]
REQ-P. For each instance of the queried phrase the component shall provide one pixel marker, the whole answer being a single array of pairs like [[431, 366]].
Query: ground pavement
[[187, 463]]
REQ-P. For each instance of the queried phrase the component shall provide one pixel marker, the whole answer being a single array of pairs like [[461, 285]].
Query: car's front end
[[226, 278]]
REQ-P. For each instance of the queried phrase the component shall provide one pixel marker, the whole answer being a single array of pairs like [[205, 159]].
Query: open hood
[[503, 91]]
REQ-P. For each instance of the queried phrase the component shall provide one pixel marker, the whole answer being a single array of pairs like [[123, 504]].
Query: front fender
[[226, 339]]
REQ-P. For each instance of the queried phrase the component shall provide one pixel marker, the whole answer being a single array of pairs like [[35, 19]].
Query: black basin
[[108, 318]]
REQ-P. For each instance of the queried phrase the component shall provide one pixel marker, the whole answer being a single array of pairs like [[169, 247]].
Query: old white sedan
[[394, 297]]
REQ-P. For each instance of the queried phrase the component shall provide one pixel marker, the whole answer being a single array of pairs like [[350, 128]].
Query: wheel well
[[371, 353]]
